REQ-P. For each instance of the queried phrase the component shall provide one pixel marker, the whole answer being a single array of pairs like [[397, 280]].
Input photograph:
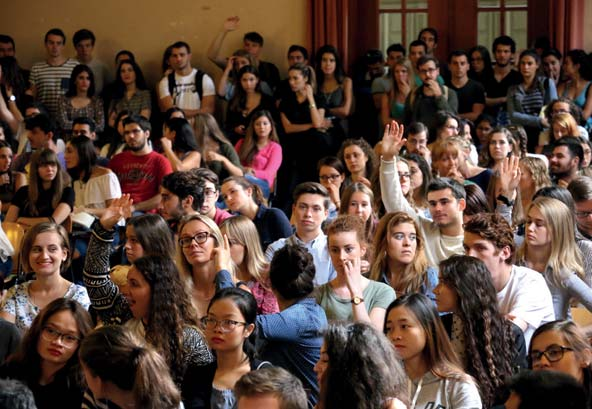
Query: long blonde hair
[[243, 230], [414, 274], [565, 256]]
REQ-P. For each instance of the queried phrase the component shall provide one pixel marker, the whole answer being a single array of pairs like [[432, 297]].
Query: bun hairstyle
[[115, 355], [291, 272]]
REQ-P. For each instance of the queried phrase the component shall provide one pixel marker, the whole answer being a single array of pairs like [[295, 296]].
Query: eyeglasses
[[200, 238], [51, 335], [224, 325], [210, 192], [583, 214], [326, 178], [404, 175], [553, 354], [428, 71]]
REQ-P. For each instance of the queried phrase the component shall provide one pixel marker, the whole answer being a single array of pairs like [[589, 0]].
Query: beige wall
[[147, 27], [588, 26]]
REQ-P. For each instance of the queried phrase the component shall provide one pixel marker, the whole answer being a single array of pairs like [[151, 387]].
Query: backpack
[[198, 82]]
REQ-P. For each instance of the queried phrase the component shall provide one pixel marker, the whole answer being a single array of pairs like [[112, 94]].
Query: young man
[[253, 44], [470, 93], [581, 191], [83, 126], [429, 36], [181, 193], [211, 188], [522, 293], [384, 84], [417, 140], [84, 43], [423, 103], [564, 164], [140, 170], [297, 54], [496, 88], [446, 197], [309, 211], [50, 79], [8, 49], [270, 388], [187, 88], [40, 135]]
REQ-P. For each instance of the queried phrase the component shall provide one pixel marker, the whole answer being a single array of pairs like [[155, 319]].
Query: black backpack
[[198, 83]]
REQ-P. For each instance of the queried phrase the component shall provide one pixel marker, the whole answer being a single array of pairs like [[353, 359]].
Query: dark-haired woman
[[10, 181], [47, 197], [116, 142], [229, 328], [578, 70], [260, 152], [131, 93], [490, 347], [481, 68], [247, 99], [80, 100], [179, 145], [47, 360]]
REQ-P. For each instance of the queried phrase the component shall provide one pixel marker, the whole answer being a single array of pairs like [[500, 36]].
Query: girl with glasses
[[561, 346], [331, 175], [229, 327], [47, 360]]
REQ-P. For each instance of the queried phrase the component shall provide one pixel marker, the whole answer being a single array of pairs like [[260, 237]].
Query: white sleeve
[[208, 86], [163, 87], [390, 187]]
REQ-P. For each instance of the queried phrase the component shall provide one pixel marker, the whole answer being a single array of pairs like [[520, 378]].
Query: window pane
[[390, 4], [516, 27], [488, 27], [390, 29], [415, 22], [488, 3], [516, 3], [417, 4]]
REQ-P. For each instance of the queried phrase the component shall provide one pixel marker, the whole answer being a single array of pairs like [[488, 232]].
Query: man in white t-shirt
[[522, 293], [187, 88]]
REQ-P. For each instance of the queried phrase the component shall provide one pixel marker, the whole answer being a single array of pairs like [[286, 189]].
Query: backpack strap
[[171, 80], [199, 75]]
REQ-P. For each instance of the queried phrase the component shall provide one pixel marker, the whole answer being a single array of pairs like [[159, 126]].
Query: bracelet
[[312, 106]]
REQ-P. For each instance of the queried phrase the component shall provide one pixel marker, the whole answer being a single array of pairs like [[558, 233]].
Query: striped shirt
[[51, 82]]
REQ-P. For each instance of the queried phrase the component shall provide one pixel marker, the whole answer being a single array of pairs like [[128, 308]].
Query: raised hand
[[353, 276], [392, 140], [120, 208], [509, 177], [166, 143], [231, 23], [221, 255]]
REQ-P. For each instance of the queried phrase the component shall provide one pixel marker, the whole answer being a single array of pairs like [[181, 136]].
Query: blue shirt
[[272, 224], [324, 271], [294, 341]]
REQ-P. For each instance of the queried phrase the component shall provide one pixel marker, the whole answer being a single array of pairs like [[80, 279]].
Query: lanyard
[[417, 391]]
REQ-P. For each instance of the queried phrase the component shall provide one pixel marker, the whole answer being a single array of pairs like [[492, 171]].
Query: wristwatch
[[12, 98], [357, 300], [505, 200]]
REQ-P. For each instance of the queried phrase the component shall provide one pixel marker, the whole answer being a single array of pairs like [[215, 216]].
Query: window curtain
[[566, 24], [328, 23]]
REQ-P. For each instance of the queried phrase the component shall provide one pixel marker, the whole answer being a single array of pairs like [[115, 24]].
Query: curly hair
[[538, 170], [494, 228], [414, 274], [363, 372], [372, 160], [170, 310], [487, 334]]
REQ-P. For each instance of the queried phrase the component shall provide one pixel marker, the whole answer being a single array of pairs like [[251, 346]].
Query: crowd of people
[[414, 235]]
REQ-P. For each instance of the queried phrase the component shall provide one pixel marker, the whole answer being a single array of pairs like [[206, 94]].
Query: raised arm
[[230, 24]]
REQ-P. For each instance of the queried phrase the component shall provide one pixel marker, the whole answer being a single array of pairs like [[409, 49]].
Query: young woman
[[45, 252], [245, 198], [331, 175], [399, 258], [230, 330], [550, 248], [447, 125], [94, 186], [351, 296], [561, 346], [525, 100], [578, 70], [47, 197], [379, 380], [157, 305], [179, 145], [252, 268], [420, 178], [359, 159], [47, 360], [436, 375], [202, 254], [335, 89], [116, 142], [248, 98], [131, 93], [393, 102], [481, 67], [358, 200], [490, 347], [563, 124], [500, 145], [80, 101], [228, 83], [552, 65], [121, 369], [260, 152], [534, 175], [218, 153], [308, 134], [10, 181]]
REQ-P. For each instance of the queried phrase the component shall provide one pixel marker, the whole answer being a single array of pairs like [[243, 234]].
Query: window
[[502, 17], [401, 20]]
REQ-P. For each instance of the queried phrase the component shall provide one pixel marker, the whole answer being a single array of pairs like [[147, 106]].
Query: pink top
[[220, 216], [266, 301], [266, 162]]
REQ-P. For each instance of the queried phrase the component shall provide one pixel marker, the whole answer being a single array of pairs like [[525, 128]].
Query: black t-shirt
[[44, 206], [472, 93], [297, 112], [495, 89], [269, 73]]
